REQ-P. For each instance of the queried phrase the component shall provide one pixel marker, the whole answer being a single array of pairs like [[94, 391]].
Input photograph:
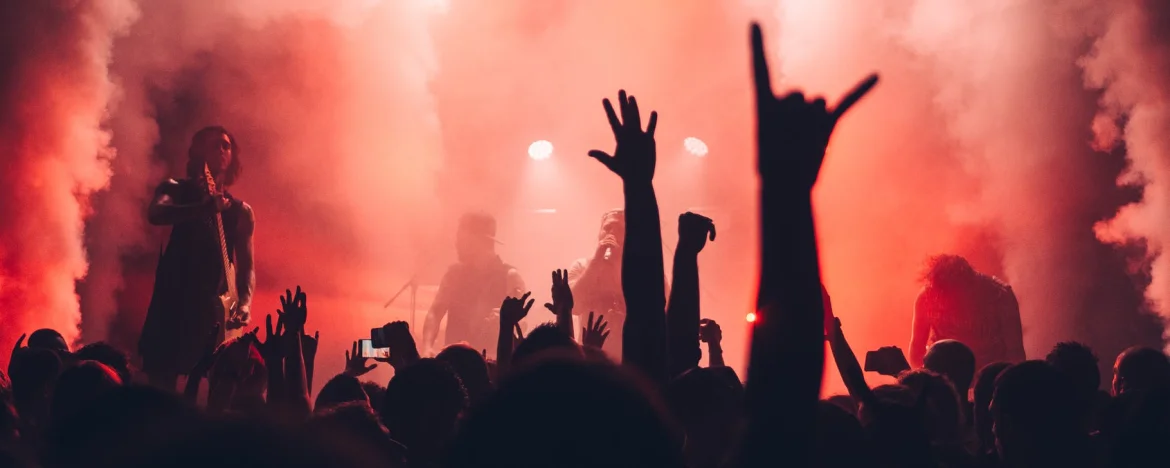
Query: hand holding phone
[[887, 360]]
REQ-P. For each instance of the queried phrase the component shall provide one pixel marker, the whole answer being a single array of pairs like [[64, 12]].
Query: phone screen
[[369, 351]]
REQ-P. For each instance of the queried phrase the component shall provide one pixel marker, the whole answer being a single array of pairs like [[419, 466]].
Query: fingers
[[855, 95], [624, 106], [604, 336], [589, 324], [653, 123], [19, 342], [712, 232], [762, 78], [528, 305], [355, 351], [317, 336], [268, 327], [603, 158], [635, 117], [614, 123]]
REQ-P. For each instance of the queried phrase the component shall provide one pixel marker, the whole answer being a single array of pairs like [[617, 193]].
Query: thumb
[[602, 157], [549, 307], [371, 367]]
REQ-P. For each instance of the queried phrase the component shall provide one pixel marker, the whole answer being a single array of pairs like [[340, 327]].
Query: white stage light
[[540, 150], [695, 146]]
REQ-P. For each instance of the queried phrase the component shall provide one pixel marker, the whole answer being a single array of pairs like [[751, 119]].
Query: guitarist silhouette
[[205, 275]]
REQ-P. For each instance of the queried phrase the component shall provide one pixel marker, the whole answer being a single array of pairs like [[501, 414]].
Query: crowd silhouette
[[549, 400]]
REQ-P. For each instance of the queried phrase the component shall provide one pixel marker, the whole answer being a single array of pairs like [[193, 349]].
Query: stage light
[[695, 146], [540, 150], [751, 317]]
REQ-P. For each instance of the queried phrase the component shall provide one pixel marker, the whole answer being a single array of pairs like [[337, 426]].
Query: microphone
[[608, 252]]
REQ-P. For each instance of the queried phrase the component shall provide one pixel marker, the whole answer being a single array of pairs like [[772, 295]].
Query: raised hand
[[792, 133], [709, 332], [513, 310], [403, 350], [595, 333], [562, 295], [294, 311], [355, 364], [693, 232], [271, 349], [634, 158]]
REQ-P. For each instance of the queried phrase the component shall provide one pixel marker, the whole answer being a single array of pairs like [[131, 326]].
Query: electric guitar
[[229, 297]]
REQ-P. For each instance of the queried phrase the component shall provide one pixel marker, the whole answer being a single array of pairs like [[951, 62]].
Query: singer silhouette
[[597, 280]]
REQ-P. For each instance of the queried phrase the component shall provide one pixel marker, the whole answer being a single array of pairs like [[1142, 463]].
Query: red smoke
[[54, 95]]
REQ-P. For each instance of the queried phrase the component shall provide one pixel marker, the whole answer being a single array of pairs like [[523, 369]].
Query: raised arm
[[512, 311], [295, 313], [847, 364], [919, 330], [643, 273], [562, 302], [682, 315], [787, 348]]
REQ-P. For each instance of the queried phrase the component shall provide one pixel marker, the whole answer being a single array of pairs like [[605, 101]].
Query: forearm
[[246, 282], [787, 348], [682, 314], [565, 322], [918, 336], [643, 284], [504, 349], [851, 372], [294, 370], [715, 355]]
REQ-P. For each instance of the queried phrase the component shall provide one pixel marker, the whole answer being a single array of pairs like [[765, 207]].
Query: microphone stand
[[412, 283]]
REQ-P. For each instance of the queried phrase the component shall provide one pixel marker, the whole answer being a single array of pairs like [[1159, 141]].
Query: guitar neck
[[218, 220]]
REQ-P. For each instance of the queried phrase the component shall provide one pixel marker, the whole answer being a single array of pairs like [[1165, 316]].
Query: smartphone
[[369, 351], [378, 338], [887, 360]]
